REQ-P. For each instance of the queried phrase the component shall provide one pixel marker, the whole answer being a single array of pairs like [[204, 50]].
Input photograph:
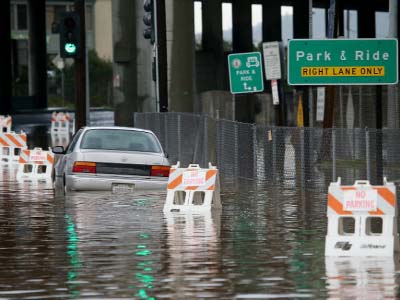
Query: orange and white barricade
[[60, 139], [5, 123], [362, 220], [192, 189], [11, 145], [35, 164], [61, 123]]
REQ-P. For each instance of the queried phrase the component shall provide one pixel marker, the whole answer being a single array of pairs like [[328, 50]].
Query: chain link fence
[[293, 156]]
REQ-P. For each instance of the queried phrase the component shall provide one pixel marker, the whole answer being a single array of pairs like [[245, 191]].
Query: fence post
[[333, 154], [236, 157], [179, 137], [367, 154], [274, 154], [205, 129], [166, 131], [255, 149]]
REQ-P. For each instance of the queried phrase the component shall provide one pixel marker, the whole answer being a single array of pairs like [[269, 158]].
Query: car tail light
[[162, 171], [84, 167]]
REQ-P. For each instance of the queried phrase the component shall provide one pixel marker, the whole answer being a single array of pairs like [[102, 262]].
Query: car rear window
[[120, 140]]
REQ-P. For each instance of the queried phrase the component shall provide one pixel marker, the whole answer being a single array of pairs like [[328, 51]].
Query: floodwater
[[266, 243]]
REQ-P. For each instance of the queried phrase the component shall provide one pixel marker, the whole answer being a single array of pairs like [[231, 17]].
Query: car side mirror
[[58, 150], [166, 154]]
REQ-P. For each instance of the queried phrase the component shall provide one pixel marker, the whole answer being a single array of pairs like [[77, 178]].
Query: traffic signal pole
[[155, 31], [161, 55], [80, 70]]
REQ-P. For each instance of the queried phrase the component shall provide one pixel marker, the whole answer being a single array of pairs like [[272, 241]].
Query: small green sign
[[342, 61], [245, 72]]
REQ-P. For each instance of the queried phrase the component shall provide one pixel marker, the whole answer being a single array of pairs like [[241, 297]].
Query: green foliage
[[100, 83]]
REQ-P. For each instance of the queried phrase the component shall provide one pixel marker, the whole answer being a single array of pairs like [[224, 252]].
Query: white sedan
[[116, 159]]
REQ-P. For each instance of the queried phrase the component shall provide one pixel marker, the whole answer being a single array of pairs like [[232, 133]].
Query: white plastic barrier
[[60, 139], [35, 164], [193, 189], [362, 220], [62, 123], [11, 145], [5, 123]]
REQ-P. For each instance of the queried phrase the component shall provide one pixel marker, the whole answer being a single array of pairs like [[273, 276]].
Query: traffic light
[[70, 35], [148, 20]]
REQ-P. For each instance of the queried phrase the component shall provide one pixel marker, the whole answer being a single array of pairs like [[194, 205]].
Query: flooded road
[[266, 243]]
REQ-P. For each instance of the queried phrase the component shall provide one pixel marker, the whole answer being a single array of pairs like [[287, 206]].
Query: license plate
[[122, 188]]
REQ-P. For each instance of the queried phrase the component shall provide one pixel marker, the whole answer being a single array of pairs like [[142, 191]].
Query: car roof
[[117, 128]]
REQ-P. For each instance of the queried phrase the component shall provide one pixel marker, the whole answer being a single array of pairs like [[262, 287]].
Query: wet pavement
[[267, 242]]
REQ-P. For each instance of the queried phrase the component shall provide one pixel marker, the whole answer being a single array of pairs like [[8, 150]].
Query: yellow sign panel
[[342, 71]]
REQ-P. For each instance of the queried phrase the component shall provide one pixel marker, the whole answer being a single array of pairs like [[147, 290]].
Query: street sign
[[342, 61], [245, 73], [272, 60]]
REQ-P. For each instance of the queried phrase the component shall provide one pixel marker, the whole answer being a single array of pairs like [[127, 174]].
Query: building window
[[22, 17]]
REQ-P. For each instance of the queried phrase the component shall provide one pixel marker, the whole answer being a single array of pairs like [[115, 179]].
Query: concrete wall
[[103, 29], [181, 57]]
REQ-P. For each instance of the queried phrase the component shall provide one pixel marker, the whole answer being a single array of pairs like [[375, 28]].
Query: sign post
[[342, 62], [245, 73]]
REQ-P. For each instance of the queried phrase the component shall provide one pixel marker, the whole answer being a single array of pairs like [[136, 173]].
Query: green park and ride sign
[[245, 72], [342, 62]]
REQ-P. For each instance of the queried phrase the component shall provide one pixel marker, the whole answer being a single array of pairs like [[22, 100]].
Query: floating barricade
[[35, 164], [5, 123], [362, 220], [11, 145], [61, 123], [193, 189]]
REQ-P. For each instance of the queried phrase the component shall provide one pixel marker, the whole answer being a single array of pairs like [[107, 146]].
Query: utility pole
[[80, 70]]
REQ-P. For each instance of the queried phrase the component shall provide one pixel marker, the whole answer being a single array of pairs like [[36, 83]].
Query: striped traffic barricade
[[192, 189], [11, 145], [35, 164], [61, 123], [5, 123], [362, 220]]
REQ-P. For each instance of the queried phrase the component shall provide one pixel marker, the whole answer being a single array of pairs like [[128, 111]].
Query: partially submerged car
[[117, 159]]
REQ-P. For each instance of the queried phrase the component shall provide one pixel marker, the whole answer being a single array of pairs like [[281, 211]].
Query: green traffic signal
[[70, 48], [70, 35]]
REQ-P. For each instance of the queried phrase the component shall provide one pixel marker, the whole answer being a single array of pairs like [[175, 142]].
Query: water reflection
[[192, 261], [362, 278]]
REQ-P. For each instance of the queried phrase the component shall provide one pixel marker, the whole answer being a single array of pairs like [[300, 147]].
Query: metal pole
[[367, 154], [205, 128], [333, 154], [255, 148], [80, 71]]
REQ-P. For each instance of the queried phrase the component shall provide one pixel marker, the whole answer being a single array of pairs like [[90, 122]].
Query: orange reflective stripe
[[191, 188], [50, 158], [14, 140], [210, 173], [3, 142], [177, 181], [337, 206], [376, 213], [23, 137], [387, 195], [348, 188], [211, 188]]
